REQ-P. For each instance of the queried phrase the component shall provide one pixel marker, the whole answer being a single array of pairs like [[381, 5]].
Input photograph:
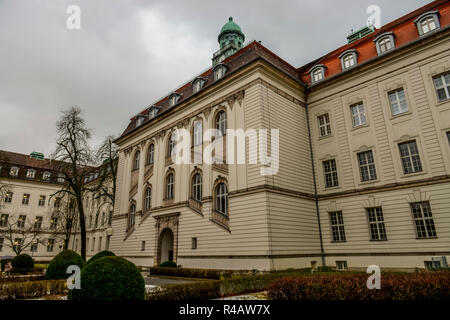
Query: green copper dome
[[231, 27]]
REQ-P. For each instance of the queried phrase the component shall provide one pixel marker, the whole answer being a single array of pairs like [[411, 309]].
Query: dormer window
[[317, 73], [173, 99], [197, 84], [140, 120], [219, 71], [31, 173], [61, 178], [427, 22], [153, 112], [348, 59], [14, 172], [384, 42], [46, 176]]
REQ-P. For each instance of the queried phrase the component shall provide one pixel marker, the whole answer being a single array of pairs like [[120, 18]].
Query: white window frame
[[344, 58], [410, 160], [317, 73], [172, 144], [148, 199], [137, 160], [46, 176], [14, 171], [367, 169], [198, 133], [380, 42], [330, 173], [445, 85], [423, 220], [221, 122], [197, 187], [337, 226], [221, 194], [173, 99], [31, 173], [377, 228], [197, 84], [395, 101], [139, 120], [359, 118], [431, 16], [220, 71], [170, 186], [325, 125], [151, 154]]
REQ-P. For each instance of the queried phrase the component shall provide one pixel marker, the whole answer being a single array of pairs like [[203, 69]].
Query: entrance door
[[166, 240]]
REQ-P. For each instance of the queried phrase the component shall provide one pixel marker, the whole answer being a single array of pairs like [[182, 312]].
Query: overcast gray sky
[[129, 53]]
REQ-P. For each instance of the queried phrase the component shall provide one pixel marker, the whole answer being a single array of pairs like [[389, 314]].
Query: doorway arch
[[166, 245]]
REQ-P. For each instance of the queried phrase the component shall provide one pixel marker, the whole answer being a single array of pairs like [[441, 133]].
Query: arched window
[[221, 122], [151, 154], [427, 22], [172, 144], [137, 156], [197, 187], [198, 133], [169, 186], [222, 198], [384, 42], [131, 216], [317, 73], [148, 199]]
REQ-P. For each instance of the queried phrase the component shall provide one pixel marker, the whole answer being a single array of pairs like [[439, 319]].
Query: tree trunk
[[82, 227]]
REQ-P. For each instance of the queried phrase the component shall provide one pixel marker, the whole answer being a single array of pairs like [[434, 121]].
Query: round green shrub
[[110, 278], [57, 268], [101, 254], [22, 263], [168, 264]]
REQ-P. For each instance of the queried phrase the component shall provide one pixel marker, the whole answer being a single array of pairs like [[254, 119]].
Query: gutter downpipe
[[316, 199]]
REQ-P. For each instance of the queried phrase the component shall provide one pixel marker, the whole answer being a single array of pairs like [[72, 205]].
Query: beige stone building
[[364, 157]]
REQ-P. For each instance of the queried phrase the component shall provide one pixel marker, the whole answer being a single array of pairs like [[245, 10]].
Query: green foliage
[[394, 286], [168, 264], [57, 269], [21, 278], [31, 289], [203, 290], [101, 254], [110, 278], [22, 263]]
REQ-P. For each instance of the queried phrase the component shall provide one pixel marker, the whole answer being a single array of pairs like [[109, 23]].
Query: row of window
[[409, 155], [385, 42], [421, 213], [21, 220], [26, 199], [18, 242], [220, 195], [31, 174], [220, 122]]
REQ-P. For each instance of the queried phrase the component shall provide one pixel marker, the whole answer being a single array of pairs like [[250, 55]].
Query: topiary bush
[[101, 254], [168, 264], [22, 263], [110, 278], [57, 268]]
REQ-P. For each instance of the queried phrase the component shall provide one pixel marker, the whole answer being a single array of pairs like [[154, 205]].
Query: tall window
[[1, 244], [376, 223], [38, 222], [8, 197], [324, 125], [397, 101], [4, 220], [222, 198], [21, 221], [330, 173], [151, 154], [26, 198], [132, 216], [367, 166], [221, 122], [54, 223], [41, 201], [423, 219], [169, 186], [148, 199], [17, 243], [358, 114], [442, 86], [348, 59], [337, 226], [137, 156], [317, 74], [34, 246], [198, 134], [172, 144], [197, 187], [410, 157]]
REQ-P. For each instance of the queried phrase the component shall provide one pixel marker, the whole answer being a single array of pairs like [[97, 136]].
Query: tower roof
[[230, 26]]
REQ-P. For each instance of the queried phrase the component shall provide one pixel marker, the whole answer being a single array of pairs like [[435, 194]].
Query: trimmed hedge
[[21, 278], [394, 286], [110, 278], [199, 273], [57, 268], [22, 263], [168, 264], [31, 289], [101, 254]]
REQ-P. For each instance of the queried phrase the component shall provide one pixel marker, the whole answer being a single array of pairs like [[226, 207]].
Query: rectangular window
[[330, 173], [442, 86], [8, 197], [358, 114], [397, 100], [21, 221], [194, 243], [108, 239], [34, 246], [143, 246], [26, 198], [324, 125], [4, 220], [367, 166], [423, 220], [50, 245], [409, 153], [337, 226], [38, 223], [376, 224], [17, 244], [100, 243], [341, 265], [93, 244], [41, 201], [53, 223], [1, 244]]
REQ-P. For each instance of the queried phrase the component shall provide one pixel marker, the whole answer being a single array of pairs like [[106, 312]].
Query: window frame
[[21, 221], [174, 97], [348, 53], [197, 187], [445, 86], [411, 157], [220, 66], [360, 115], [4, 218], [26, 199], [219, 123], [8, 197], [376, 224], [170, 186], [332, 172], [371, 171], [423, 219], [131, 216], [197, 136], [148, 198], [317, 69], [398, 101], [426, 16], [41, 201], [14, 171], [137, 160], [378, 42], [221, 198], [46, 175], [326, 125], [150, 154], [337, 226]]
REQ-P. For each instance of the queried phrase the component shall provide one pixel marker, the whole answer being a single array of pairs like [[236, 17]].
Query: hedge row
[[394, 286], [199, 273], [31, 289], [22, 278]]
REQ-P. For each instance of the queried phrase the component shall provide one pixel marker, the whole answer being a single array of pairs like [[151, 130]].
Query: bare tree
[[5, 187], [18, 232], [73, 159], [63, 220]]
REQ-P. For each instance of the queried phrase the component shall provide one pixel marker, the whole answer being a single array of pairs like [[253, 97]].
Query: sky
[[128, 53]]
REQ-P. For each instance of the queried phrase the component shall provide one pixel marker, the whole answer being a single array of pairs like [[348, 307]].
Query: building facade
[[364, 157]]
